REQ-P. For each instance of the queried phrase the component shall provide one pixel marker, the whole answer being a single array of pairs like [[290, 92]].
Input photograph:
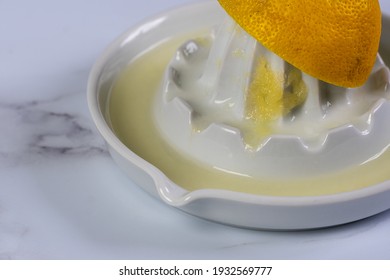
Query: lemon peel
[[334, 41]]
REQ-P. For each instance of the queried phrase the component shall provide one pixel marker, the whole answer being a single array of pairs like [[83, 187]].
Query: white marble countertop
[[61, 195]]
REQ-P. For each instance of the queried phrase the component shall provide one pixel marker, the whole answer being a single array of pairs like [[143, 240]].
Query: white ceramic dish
[[233, 208]]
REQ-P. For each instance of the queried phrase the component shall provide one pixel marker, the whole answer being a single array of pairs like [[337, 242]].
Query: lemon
[[335, 41]]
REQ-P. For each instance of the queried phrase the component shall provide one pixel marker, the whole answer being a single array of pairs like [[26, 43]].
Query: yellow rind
[[334, 41]]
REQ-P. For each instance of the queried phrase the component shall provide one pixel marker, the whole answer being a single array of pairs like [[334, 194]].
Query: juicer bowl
[[223, 206]]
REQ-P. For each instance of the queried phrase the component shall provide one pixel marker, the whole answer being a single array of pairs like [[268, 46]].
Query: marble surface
[[61, 195]]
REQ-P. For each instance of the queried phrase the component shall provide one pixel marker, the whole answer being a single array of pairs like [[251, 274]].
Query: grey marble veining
[[36, 130]]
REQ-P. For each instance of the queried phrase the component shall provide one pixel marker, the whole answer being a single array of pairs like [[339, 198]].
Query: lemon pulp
[[269, 97]]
